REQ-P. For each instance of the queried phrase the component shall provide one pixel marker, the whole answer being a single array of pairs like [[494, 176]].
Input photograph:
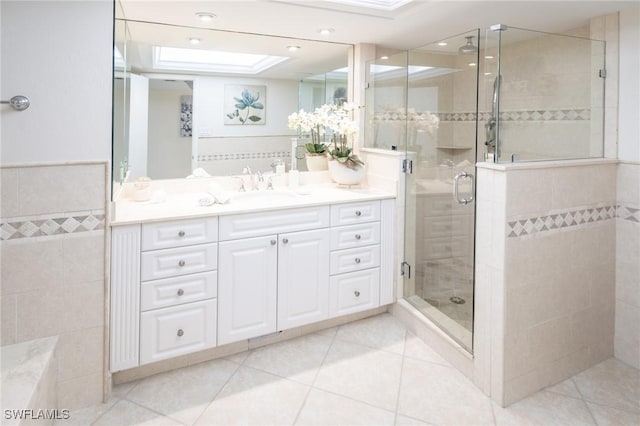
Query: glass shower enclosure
[[424, 102]]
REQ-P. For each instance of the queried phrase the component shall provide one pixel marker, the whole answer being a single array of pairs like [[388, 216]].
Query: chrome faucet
[[257, 178]]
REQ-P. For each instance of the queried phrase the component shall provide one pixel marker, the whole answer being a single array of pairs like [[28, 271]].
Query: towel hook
[[19, 103]]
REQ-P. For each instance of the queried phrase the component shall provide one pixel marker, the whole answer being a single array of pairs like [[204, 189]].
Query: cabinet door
[[247, 287], [303, 278]]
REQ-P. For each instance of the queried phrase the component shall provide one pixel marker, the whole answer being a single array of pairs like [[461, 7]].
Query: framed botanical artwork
[[244, 104], [186, 115]]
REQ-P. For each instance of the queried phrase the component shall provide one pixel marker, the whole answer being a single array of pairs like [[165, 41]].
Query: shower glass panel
[[440, 139], [543, 96]]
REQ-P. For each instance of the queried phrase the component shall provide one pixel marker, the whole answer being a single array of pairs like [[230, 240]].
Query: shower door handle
[[456, 183]]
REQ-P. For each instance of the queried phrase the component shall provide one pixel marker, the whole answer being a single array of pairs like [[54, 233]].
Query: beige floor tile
[[441, 395], [125, 413], [408, 421], [238, 358], [607, 416], [545, 409], [253, 397], [329, 332], [567, 388], [611, 383], [297, 359], [416, 348], [86, 416], [362, 373], [121, 390], [381, 331], [324, 408], [183, 394]]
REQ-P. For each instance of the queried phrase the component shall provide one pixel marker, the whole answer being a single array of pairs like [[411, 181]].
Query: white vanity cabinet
[[276, 281], [163, 290]]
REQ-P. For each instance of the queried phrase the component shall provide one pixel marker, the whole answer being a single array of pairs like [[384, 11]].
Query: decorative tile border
[[578, 114], [50, 225], [243, 156], [632, 214], [559, 220]]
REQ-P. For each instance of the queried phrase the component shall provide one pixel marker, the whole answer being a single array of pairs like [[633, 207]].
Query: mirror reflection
[[190, 99]]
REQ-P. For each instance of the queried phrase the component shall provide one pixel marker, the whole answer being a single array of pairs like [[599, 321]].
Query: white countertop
[[185, 205]]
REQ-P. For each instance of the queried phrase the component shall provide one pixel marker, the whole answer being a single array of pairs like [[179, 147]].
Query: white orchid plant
[[329, 119]]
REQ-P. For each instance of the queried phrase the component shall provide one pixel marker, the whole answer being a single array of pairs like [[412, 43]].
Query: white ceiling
[[417, 23]]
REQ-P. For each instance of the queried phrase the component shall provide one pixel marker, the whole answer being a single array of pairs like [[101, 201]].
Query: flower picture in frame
[[186, 115], [244, 104]]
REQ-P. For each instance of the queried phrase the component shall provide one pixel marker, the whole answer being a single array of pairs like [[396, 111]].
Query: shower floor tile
[[370, 372]]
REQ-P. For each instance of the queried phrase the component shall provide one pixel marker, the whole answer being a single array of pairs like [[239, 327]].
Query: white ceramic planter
[[344, 175], [316, 163]]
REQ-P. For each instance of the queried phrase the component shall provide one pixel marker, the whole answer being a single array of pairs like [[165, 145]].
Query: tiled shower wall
[[52, 269], [552, 290], [627, 333]]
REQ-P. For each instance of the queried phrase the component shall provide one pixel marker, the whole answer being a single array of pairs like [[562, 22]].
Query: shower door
[[441, 128]]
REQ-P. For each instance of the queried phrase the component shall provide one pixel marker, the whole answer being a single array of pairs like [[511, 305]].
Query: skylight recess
[[178, 59], [388, 5]]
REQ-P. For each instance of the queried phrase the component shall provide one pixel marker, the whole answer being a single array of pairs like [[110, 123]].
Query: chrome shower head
[[468, 47]]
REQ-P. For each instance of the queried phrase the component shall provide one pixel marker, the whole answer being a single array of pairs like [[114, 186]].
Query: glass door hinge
[[405, 270], [602, 73], [407, 166]]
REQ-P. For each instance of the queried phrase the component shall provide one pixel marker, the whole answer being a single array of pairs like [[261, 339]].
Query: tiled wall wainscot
[[627, 329], [554, 286], [53, 262]]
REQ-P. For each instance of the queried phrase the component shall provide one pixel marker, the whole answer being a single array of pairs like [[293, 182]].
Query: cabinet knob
[[357, 260], [182, 263], [180, 332], [181, 234], [285, 241], [273, 242], [358, 213], [180, 292], [358, 236], [357, 293]]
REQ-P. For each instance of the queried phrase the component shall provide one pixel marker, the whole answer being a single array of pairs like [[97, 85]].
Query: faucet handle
[[270, 183], [242, 188]]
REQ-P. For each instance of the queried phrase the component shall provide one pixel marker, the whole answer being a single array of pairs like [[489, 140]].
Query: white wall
[[629, 101], [59, 55], [281, 100]]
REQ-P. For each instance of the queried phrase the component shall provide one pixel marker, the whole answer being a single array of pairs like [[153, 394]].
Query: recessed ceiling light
[[326, 31], [205, 16], [488, 57], [442, 43], [194, 40], [384, 57], [293, 48], [472, 64]]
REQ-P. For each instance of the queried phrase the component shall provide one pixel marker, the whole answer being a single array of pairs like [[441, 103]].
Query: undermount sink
[[265, 197]]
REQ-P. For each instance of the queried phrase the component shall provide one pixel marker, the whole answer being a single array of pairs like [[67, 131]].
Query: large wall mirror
[[192, 98]]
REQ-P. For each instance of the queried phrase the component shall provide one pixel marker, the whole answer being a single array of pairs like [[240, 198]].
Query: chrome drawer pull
[[180, 332], [273, 242], [285, 241], [181, 234], [180, 292], [358, 213], [182, 263], [358, 236], [357, 260], [357, 293]]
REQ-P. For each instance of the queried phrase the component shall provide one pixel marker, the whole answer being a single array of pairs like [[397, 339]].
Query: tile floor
[[370, 372]]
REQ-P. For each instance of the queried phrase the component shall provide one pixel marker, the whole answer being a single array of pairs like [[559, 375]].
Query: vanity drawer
[[353, 292], [360, 235], [178, 261], [348, 214], [273, 222], [178, 290], [179, 233], [355, 259], [169, 332]]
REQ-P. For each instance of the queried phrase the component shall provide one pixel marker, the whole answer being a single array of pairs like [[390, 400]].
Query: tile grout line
[[404, 352], [238, 366], [94, 421], [315, 377], [584, 401]]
